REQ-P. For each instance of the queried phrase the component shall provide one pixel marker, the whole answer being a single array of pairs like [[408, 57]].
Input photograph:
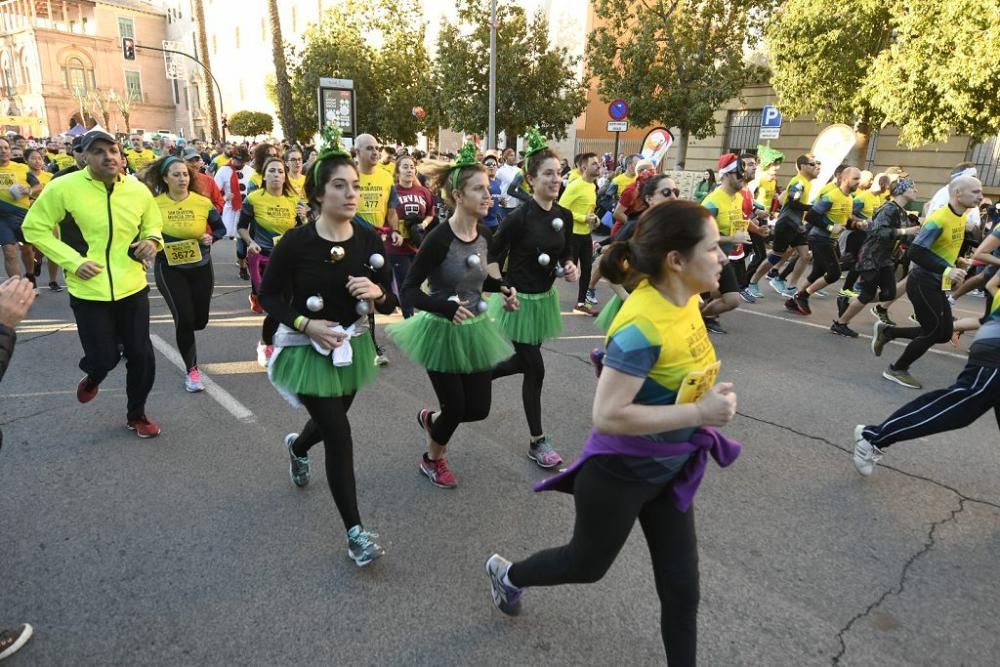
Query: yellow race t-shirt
[[185, 219], [376, 191], [13, 174], [580, 197], [765, 192], [298, 184], [138, 160], [667, 345], [621, 182], [728, 213], [943, 233], [387, 168], [272, 216], [869, 202]]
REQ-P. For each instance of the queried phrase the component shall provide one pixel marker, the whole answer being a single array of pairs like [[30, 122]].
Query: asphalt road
[[195, 549]]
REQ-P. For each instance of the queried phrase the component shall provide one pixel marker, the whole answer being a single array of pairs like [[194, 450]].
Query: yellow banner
[[34, 123]]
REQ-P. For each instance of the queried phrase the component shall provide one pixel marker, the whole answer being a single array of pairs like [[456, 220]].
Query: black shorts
[[727, 281], [787, 234]]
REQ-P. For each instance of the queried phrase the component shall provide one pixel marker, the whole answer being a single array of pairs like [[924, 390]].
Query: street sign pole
[[491, 131], [615, 158]]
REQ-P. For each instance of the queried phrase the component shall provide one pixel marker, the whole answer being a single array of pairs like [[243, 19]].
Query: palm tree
[[199, 16], [286, 111]]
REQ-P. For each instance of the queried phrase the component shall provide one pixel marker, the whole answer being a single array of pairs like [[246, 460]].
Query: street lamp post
[[491, 131]]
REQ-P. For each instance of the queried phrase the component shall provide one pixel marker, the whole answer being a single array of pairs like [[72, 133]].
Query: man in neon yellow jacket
[[109, 226]]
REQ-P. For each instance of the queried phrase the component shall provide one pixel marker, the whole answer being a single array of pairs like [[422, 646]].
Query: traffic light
[[225, 122], [128, 48]]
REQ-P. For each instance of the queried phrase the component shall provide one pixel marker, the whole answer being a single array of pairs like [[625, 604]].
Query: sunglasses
[[490, 164], [667, 192]]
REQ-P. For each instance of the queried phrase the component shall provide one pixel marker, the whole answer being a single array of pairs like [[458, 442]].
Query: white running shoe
[[866, 455], [192, 381]]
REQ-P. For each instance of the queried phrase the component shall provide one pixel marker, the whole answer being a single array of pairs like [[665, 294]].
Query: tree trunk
[[863, 132], [682, 147], [199, 16], [286, 109]]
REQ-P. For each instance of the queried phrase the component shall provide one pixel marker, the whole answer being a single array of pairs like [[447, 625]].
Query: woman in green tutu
[[536, 241], [453, 337], [320, 284]]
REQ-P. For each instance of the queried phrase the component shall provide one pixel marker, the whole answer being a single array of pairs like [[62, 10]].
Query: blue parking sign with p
[[770, 117]]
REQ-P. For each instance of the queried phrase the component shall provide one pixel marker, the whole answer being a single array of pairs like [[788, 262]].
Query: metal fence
[[743, 130], [602, 146], [987, 158]]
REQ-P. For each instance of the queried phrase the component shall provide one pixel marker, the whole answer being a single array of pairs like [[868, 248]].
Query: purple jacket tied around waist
[[706, 440]]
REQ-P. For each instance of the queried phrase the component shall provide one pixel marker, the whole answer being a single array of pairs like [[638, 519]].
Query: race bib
[[182, 252], [697, 383]]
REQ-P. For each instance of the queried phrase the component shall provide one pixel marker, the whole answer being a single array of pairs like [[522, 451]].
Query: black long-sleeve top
[[443, 261], [301, 267], [526, 233]]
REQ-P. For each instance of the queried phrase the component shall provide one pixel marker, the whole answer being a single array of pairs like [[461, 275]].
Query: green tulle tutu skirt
[[609, 312], [439, 345], [537, 321], [301, 370]]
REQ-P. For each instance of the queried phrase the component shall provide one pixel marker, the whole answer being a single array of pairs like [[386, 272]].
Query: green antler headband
[[466, 158], [536, 142], [769, 156], [330, 147]]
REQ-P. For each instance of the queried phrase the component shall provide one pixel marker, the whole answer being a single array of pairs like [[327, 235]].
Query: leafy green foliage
[[379, 45], [675, 61], [250, 123], [536, 84]]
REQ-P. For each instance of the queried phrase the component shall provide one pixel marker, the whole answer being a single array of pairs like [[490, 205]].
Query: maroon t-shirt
[[414, 203]]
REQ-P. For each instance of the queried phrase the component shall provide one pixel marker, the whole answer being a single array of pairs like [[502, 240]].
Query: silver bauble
[[314, 303], [482, 306], [560, 270], [557, 224], [473, 261], [376, 261], [336, 253], [362, 308], [544, 259]]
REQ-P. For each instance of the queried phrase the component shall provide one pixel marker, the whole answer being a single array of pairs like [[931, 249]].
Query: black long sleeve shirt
[[526, 233]]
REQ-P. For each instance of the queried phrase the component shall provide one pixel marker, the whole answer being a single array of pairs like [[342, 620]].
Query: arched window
[[7, 75], [78, 75]]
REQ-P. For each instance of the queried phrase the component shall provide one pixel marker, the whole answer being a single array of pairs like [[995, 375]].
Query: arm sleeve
[[490, 284], [7, 340], [246, 215], [633, 350], [32, 179], [567, 230], [514, 189], [220, 181], [816, 214], [276, 283], [382, 277], [151, 228], [794, 199], [216, 225], [43, 216], [215, 195], [883, 226], [431, 253], [569, 198], [393, 198], [920, 250]]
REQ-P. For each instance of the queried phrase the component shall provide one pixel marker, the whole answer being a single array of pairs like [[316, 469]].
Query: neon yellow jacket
[[96, 224]]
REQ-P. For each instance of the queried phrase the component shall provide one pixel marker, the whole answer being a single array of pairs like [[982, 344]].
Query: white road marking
[[221, 396], [580, 338]]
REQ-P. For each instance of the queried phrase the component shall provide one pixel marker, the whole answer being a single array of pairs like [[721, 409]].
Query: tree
[[675, 61], [820, 55], [282, 86], [100, 104], [213, 114], [123, 101], [871, 63], [380, 46], [537, 84], [250, 123]]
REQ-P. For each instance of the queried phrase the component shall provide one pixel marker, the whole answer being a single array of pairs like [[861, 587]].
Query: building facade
[[62, 64]]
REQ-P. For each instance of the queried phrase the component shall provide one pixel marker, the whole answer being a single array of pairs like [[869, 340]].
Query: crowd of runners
[[469, 248]]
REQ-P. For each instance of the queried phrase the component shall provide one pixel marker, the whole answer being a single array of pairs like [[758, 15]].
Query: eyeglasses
[[667, 192], [490, 164], [812, 164], [295, 159]]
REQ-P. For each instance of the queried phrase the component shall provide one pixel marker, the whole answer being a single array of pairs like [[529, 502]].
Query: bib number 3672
[[182, 252]]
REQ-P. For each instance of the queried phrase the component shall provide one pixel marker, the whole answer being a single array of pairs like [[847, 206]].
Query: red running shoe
[[438, 472], [255, 304], [143, 427], [87, 390]]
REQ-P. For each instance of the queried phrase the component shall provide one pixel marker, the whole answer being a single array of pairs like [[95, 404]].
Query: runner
[[265, 216], [976, 390], [536, 240], [294, 162], [318, 278], [851, 241], [726, 206], [17, 185], [935, 254], [789, 235], [580, 198], [453, 337], [415, 210], [764, 195], [109, 226], [183, 269], [203, 183], [139, 156], [834, 211], [232, 179], [506, 173], [653, 412], [261, 153], [876, 265], [36, 163]]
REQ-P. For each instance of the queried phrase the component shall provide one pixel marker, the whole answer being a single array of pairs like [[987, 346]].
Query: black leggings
[[188, 293], [933, 311], [825, 264], [851, 249], [328, 422], [759, 255], [882, 279], [527, 359], [583, 253], [606, 509], [463, 398]]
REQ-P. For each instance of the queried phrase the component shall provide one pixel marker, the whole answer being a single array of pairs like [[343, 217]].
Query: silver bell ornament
[[336, 253], [376, 261], [557, 224], [544, 259], [482, 306], [560, 270], [454, 297], [314, 303], [473, 261], [362, 308]]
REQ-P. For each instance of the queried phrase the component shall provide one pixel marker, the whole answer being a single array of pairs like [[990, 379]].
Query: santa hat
[[727, 163]]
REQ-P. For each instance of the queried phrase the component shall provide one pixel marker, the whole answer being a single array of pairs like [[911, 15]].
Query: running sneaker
[[772, 274], [597, 359], [143, 426], [952, 300], [542, 453], [791, 291], [747, 295], [11, 641], [842, 303], [507, 598], [791, 305], [585, 308], [821, 293], [849, 293], [298, 466], [712, 324], [866, 455], [902, 378], [802, 303], [55, 287], [264, 353], [913, 318], [778, 285], [882, 313], [879, 337], [755, 290], [87, 389], [380, 359], [843, 330], [591, 297], [361, 546], [192, 381], [244, 274], [438, 472], [255, 304], [980, 293]]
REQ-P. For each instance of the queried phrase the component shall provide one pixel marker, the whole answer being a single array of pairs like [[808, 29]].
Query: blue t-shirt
[[492, 218]]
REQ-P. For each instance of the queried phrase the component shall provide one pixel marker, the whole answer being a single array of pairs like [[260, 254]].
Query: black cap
[[94, 135], [191, 154], [77, 142]]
